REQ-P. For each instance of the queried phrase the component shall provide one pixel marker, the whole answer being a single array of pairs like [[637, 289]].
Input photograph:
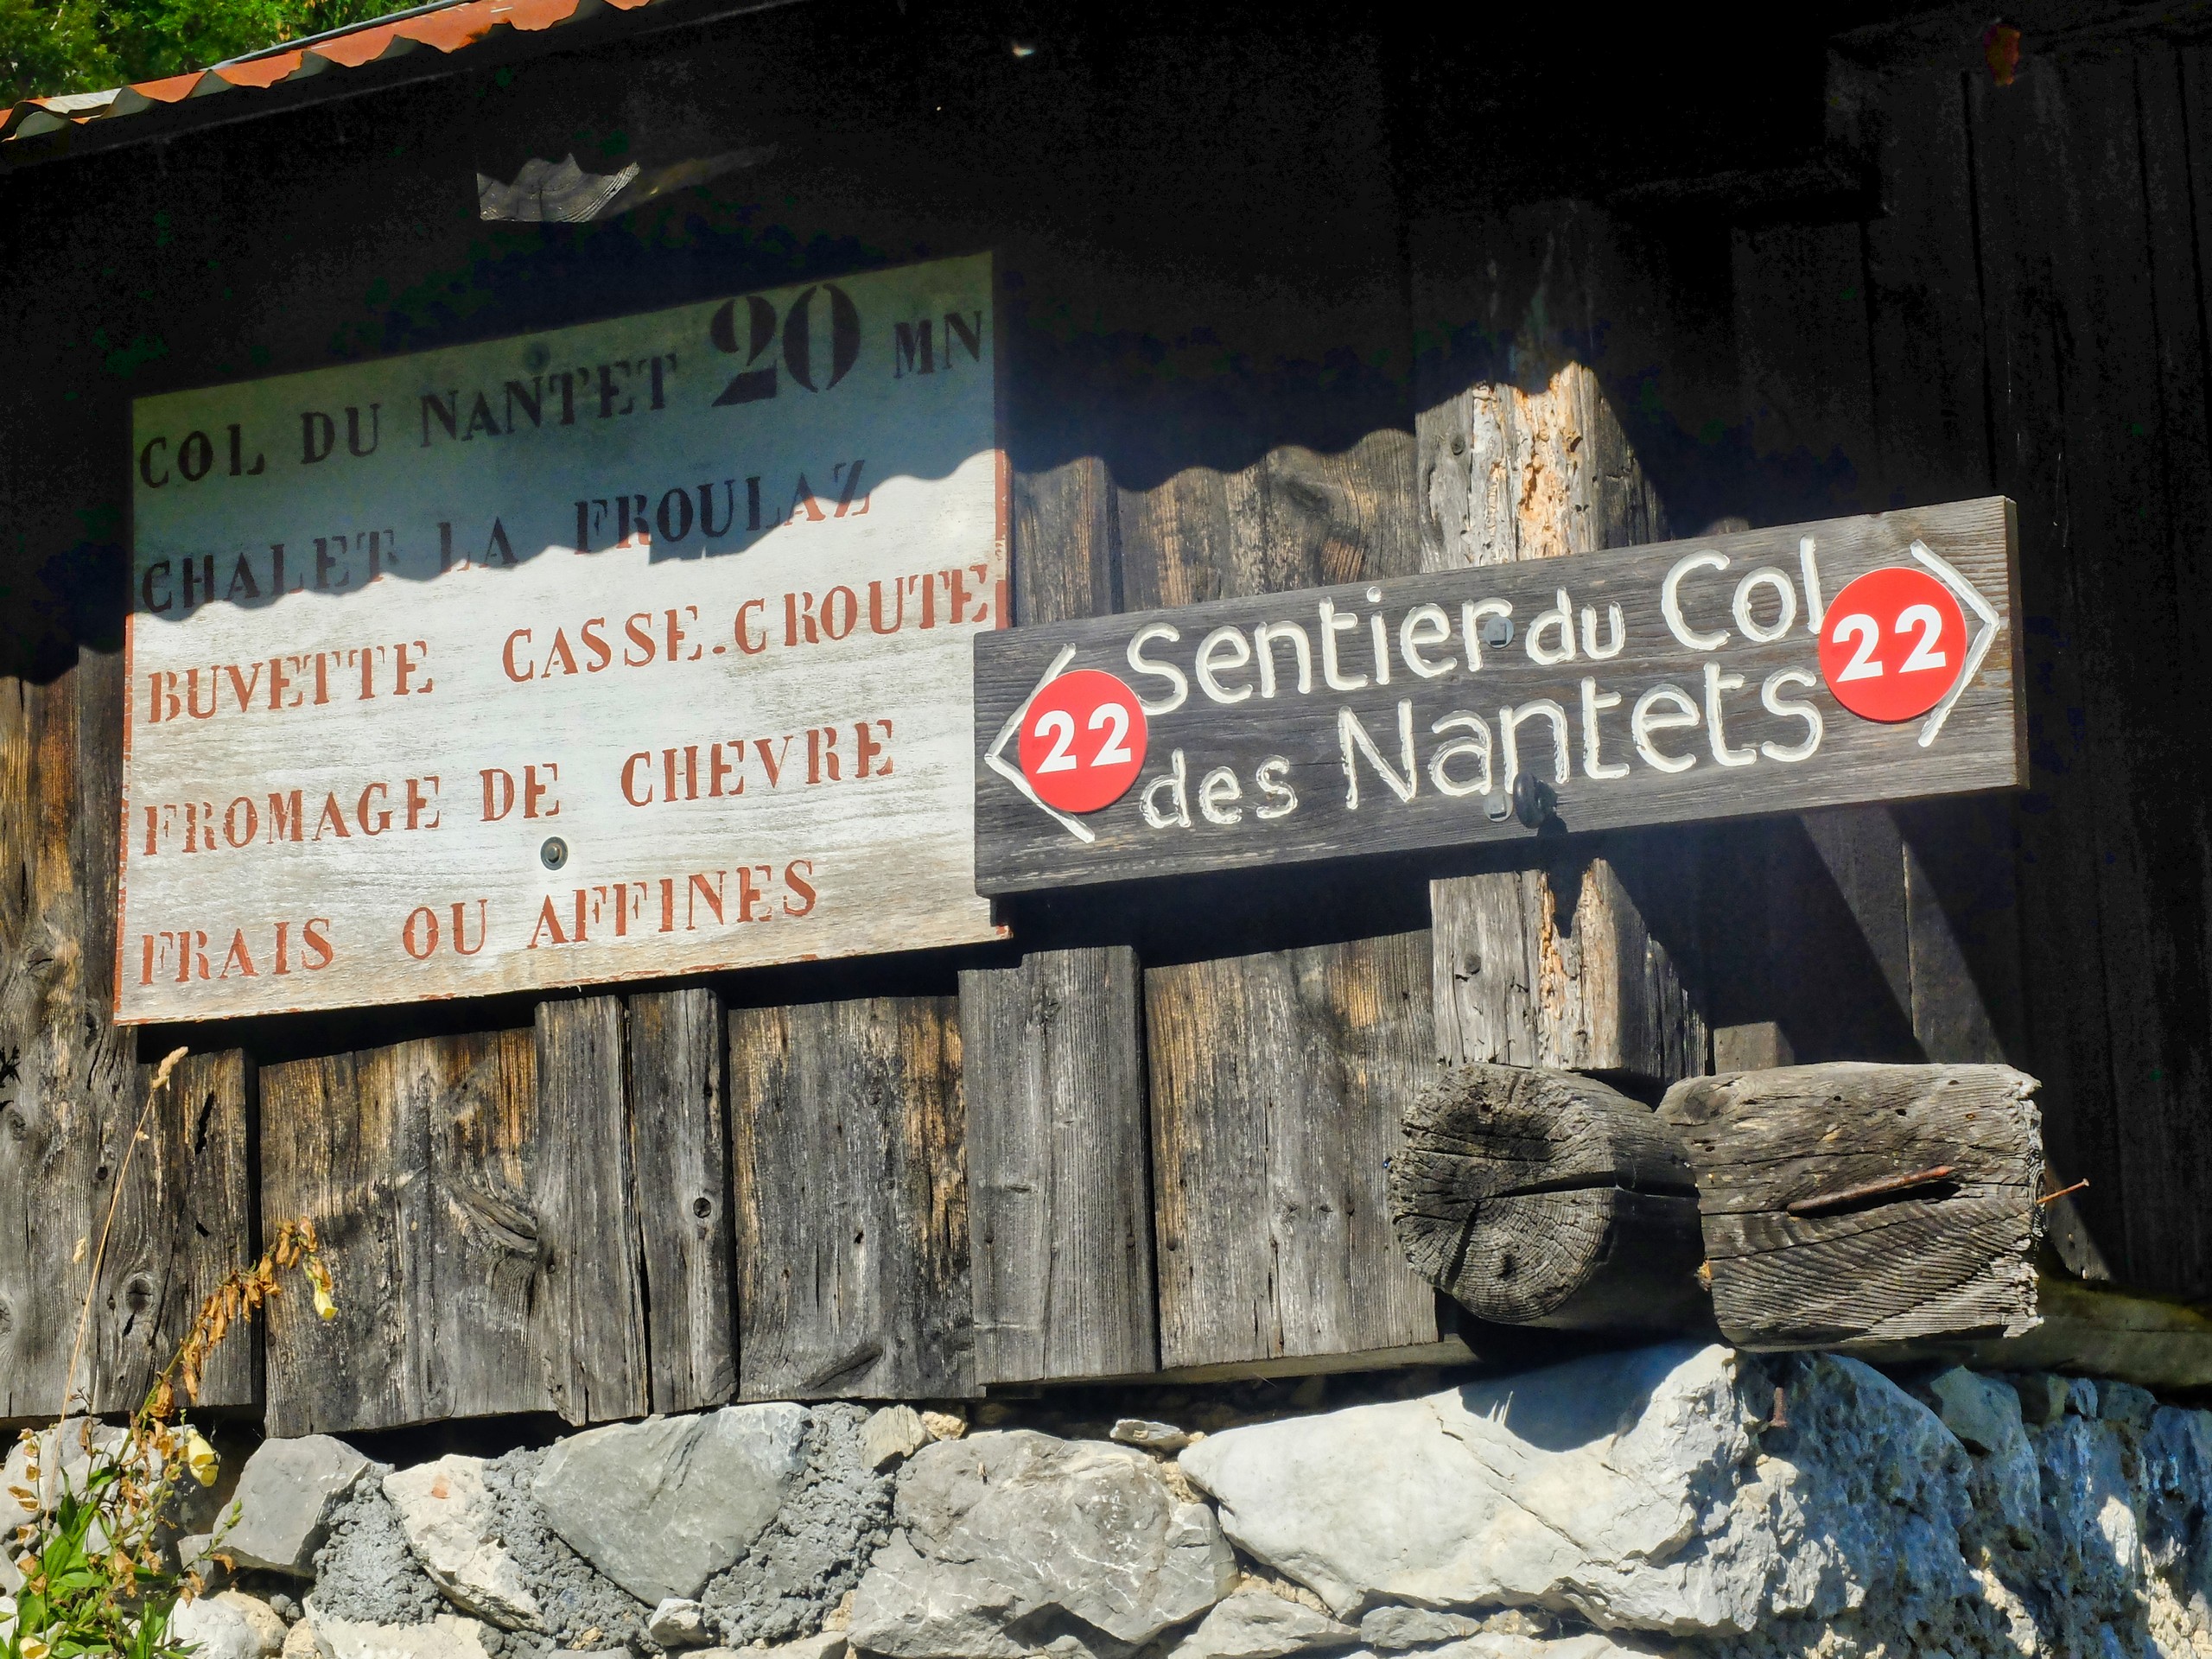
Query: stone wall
[[1669, 1500]]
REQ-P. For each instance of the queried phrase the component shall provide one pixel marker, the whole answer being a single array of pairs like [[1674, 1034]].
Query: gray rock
[[893, 1433], [1014, 1541], [2081, 1397], [79, 1441], [1986, 1416], [1626, 1488], [220, 1629], [451, 1526], [2123, 1402], [828, 1645], [1503, 1644], [812, 1554], [1982, 1414], [573, 1596], [678, 1622], [1394, 1628], [195, 1552], [265, 1622], [442, 1637], [2042, 1397], [662, 1506], [1260, 1625], [286, 1495], [1153, 1437]]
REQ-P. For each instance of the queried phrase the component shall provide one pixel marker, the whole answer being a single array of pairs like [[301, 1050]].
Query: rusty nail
[[1880, 1188]]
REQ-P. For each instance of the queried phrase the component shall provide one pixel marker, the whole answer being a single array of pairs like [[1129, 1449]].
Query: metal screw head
[[1533, 799], [553, 854], [1498, 806], [1497, 631]]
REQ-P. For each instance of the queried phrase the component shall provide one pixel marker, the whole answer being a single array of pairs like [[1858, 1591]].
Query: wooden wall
[[1244, 321]]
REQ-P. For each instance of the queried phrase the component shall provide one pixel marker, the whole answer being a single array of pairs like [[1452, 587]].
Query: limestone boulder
[[228, 1626], [1393, 1628], [1986, 1416], [1260, 1625], [1012, 1541], [286, 1495], [63, 1456], [452, 1527], [892, 1434], [1630, 1488], [2176, 1478], [662, 1506], [443, 1637], [679, 1623]]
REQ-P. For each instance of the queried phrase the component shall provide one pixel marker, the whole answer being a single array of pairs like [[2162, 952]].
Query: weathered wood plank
[[184, 1219], [1555, 966], [582, 1189], [1540, 1197], [1057, 1168], [71, 1093], [413, 1161], [1276, 1085], [344, 1144], [850, 1200], [1804, 1255], [483, 1343], [1065, 541], [679, 1140], [1546, 966]]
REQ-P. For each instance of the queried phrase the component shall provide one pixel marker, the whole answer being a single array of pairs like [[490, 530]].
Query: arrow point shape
[[994, 757], [1977, 652]]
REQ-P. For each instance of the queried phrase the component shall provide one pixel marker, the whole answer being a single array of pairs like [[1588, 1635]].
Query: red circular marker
[[1082, 741], [1893, 643]]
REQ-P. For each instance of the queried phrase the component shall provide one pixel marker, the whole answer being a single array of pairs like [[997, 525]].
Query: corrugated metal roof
[[448, 28]]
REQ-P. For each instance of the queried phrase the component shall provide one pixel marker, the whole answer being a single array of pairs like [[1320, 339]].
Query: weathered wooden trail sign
[[635, 648], [1858, 659]]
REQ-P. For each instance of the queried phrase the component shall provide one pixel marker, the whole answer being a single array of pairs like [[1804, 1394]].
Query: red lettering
[[700, 893], [459, 932], [405, 665], [317, 941], [866, 748], [821, 753], [549, 921], [749, 894], [507, 658], [240, 956], [799, 885], [597, 644], [744, 636], [382, 820], [533, 792]]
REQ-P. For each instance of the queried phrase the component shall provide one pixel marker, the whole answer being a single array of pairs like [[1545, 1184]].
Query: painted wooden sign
[[634, 648], [1860, 659]]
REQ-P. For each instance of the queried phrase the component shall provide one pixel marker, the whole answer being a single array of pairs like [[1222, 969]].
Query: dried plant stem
[[99, 1257]]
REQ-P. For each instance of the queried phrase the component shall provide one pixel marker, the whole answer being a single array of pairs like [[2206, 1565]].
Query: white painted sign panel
[[637, 648]]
